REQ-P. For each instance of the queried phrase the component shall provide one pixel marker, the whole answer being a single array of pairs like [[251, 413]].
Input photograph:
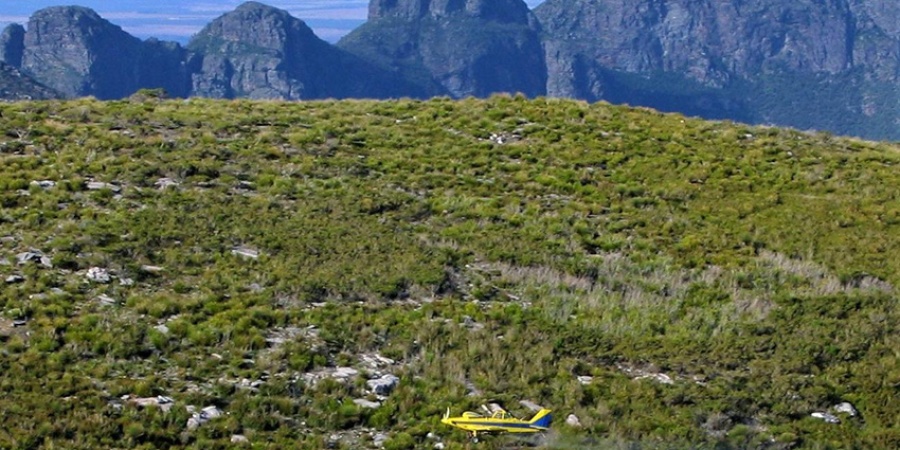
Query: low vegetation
[[673, 283]]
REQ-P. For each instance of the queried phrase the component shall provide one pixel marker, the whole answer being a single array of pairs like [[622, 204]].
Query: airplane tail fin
[[542, 419]]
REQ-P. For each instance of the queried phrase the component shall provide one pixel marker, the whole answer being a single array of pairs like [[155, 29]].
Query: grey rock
[[16, 85], [657, 377], [438, 446], [383, 385], [29, 256], [162, 402], [43, 184], [572, 421], [162, 328], [99, 185], [471, 324], [379, 439], [829, 418], [99, 275], [374, 362], [245, 252], [14, 279], [585, 380], [345, 372], [368, 404], [203, 416], [846, 408], [239, 439], [471, 389], [106, 300], [164, 183]]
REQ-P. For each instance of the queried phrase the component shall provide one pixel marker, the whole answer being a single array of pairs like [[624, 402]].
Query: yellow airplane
[[498, 422]]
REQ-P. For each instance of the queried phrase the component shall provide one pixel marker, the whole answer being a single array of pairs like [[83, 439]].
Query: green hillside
[[671, 282]]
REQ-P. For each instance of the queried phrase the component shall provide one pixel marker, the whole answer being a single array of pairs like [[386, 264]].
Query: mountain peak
[[97, 55], [515, 11], [257, 25]]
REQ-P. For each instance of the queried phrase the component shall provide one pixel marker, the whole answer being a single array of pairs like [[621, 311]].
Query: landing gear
[[474, 437]]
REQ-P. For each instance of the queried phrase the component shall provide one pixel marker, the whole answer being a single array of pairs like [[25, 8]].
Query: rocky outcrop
[[260, 52], [456, 47], [757, 60], [14, 85], [12, 45], [76, 52], [510, 11]]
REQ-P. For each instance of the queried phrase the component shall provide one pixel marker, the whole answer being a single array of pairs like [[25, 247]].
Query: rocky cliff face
[[510, 11], [14, 85], [740, 60], [76, 52], [165, 65], [258, 51], [456, 47], [12, 44], [823, 64]]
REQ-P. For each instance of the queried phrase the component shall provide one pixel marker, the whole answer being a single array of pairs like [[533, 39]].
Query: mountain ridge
[[831, 66]]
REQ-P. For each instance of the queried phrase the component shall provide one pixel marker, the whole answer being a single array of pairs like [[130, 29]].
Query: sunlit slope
[[495, 250]]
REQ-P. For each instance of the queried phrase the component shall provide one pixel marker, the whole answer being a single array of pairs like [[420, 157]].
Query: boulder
[[14, 279], [99, 275], [344, 372], [162, 402], [245, 252], [379, 439], [205, 415], [367, 404], [106, 300], [383, 385], [845, 408], [35, 256], [829, 418], [99, 185], [43, 184], [658, 377]]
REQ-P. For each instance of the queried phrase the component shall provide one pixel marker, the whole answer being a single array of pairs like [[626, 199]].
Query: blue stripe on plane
[[501, 424]]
